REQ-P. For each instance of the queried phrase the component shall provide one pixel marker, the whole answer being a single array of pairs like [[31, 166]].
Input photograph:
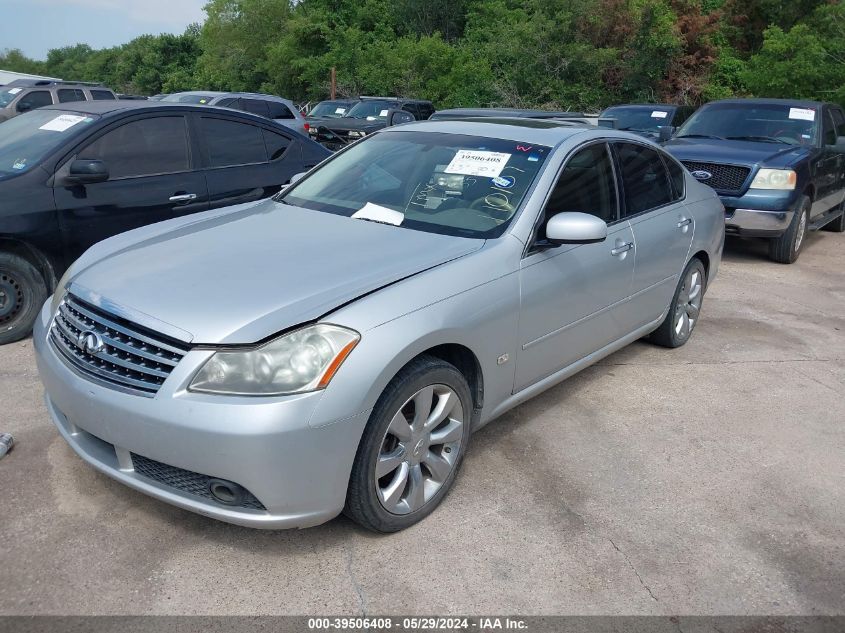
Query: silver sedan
[[332, 348]]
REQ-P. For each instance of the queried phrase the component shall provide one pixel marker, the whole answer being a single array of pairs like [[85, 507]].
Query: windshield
[[28, 138], [645, 119], [467, 186], [762, 122], [189, 98], [372, 109], [330, 109], [8, 95]]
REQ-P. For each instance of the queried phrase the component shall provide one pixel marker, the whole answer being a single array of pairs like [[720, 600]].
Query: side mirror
[[23, 106], [84, 172], [396, 117], [665, 133], [573, 227]]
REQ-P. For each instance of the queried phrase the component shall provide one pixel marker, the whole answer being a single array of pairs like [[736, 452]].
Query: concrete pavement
[[704, 480]]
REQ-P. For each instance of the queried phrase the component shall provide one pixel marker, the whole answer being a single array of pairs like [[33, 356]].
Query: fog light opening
[[226, 492]]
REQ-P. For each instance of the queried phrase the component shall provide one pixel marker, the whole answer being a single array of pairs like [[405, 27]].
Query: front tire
[[685, 309], [412, 447], [22, 293], [786, 248]]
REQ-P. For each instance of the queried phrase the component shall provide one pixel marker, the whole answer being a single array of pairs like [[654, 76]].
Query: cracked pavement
[[704, 480]]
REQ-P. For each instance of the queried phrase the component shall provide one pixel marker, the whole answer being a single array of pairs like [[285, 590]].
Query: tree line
[[554, 54]]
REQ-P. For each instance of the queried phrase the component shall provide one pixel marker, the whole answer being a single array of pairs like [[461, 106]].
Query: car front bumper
[[296, 467], [759, 213]]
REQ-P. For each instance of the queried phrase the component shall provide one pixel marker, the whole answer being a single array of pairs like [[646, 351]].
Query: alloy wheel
[[802, 229], [689, 304], [420, 449]]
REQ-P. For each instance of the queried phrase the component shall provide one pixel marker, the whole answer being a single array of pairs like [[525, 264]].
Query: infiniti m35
[[331, 349]]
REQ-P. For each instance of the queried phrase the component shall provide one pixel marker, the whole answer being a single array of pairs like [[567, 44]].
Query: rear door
[[244, 161], [152, 177], [652, 185]]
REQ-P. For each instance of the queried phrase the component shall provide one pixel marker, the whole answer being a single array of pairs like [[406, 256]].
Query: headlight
[[775, 179], [303, 360]]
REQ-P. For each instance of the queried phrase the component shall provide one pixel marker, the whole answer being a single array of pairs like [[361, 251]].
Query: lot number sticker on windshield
[[14, 91], [62, 122], [339, 110], [470, 162], [657, 114], [805, 114], [383, 113]]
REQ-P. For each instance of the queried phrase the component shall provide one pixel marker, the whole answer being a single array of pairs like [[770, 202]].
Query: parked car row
[[351, 330]]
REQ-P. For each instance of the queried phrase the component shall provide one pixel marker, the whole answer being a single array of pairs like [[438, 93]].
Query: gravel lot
[[704, 480]]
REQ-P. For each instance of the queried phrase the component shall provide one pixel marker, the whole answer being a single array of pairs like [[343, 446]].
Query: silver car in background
[[282, 111], [328, 350]]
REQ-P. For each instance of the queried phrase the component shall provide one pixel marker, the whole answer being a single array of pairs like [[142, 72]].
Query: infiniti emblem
[[90, 342], [700, 174]]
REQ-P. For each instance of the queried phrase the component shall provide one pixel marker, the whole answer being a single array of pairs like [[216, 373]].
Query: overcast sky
[[36, 26]]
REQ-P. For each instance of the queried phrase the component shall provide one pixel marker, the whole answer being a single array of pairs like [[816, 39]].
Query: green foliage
[[556, 54]]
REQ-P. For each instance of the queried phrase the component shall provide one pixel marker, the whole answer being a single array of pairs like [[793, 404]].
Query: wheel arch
[[33, 255], [705, 260]]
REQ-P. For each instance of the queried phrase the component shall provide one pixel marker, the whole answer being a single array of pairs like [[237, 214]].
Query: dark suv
[[367, 116], [73, 175], [645, 119], [16, 99], [778, 165]]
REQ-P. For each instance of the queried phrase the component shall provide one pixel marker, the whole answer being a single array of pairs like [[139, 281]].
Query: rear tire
[[685, 309], [22, 293], [786, 248], [412, 447]]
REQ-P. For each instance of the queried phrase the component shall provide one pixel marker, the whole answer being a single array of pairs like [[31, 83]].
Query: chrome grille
[[129, 357], [727, 178]]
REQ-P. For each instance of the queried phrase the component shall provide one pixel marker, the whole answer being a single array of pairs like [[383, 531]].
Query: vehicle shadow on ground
[[754, 250]]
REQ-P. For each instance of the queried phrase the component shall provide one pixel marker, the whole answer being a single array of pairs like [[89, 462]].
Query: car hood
[[734, 152], [243, 276]]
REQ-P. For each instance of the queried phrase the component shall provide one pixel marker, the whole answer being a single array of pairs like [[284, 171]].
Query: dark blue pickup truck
[[778, 166]]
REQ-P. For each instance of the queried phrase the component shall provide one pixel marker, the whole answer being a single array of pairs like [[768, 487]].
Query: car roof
[[198, 92], [764, 101], [644, 105], [118, 106], [504, 112], [256, 95], [540, 131]]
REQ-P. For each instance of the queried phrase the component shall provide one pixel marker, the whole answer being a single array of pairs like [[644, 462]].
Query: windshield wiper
[[700, 136], [762, 139]]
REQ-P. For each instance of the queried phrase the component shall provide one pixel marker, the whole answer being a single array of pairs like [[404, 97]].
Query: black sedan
[[74, 174]]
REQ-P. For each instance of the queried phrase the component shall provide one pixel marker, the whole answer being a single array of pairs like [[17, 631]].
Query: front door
[[571, 295], [150, 180], [663, 228]]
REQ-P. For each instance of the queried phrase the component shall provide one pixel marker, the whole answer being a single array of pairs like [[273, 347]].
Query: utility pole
[[334, 83]]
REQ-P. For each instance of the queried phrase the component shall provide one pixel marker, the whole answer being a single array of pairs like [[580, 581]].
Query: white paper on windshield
[[339, 110], [805, 114], [377, 213], [470, 162], [383, 113], [657, 114], [62, 122], [14, 91]]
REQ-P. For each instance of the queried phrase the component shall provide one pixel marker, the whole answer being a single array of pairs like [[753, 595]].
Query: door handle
[[623, 248], [684, 222], [183, 197]]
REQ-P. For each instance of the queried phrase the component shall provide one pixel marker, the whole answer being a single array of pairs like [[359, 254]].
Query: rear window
[[102, 95]]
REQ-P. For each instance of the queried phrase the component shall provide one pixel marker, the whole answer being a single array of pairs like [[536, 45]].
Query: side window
[[676, 175], [277, 144], [231, 102], [232, 143], [838, 121], [828, 129], [256, 106], [36, 99], [102, 95], [644, 178], [413, 109], [586, 185], [145, 147], [279, 111], [67, 95]]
